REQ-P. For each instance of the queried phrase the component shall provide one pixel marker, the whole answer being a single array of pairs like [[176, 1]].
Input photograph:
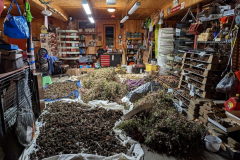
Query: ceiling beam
[[62, 14]]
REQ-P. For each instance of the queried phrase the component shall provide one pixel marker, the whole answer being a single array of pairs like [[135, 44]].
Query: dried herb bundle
[[162, 128], [103, 84], [60, 90], [71, 129]]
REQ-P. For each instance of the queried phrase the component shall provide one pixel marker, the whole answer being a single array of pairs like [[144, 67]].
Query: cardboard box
[[74, 72], [91, 50], [99, 44], [227, 116]]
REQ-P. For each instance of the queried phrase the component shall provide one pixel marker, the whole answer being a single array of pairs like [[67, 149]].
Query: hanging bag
[[229, 84], [16, 26]]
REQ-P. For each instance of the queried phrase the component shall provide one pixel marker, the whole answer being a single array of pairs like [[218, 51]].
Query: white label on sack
[[29, 134], [170, 90], [192, 93], [189, 86], [202, 54], [199, 65], [180, 103], [176, 72], [112, 57]]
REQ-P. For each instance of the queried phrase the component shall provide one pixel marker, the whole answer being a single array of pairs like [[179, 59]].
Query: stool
[[46, 80]]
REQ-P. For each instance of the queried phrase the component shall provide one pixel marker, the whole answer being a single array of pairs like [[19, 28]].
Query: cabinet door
[[115, 59]]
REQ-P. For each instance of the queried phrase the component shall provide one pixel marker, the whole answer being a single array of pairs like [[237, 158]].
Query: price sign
[[199, 65], [180, 103], [192, 93], [178, 58], [202, 54]]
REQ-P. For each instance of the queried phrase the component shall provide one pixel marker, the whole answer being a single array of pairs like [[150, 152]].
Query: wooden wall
[[129, 26]]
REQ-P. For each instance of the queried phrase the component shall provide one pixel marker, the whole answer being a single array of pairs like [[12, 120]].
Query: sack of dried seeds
[[25, 127]]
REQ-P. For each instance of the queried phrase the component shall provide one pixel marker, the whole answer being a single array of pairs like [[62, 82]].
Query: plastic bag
[[25, 127], [229, 84], [16, 26], [138, 93]]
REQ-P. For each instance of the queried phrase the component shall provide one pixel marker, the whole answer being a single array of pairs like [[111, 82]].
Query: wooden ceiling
[[74, 8]]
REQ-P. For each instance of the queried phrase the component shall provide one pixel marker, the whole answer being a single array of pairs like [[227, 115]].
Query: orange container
[[237, 74]]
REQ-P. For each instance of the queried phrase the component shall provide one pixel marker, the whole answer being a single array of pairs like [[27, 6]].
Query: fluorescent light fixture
[[134, 8], [86, 7], [91, 19], [124, 19], [5, 7], [111, 9]]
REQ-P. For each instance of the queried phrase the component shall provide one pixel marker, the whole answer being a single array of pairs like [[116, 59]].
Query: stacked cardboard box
[[208, 107]]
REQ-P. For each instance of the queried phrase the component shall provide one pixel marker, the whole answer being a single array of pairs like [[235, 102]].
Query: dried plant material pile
[[225, 122], [163, 129], [103, 84], [71, 128], [170, 79], [134, 84], [60, 90]]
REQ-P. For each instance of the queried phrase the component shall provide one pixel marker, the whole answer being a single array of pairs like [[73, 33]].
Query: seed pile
[[163, 129], [60, 90], [71, 128]]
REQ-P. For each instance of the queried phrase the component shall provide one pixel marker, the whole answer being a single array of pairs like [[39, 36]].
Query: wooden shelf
[[67, 31], [68, 41], [70, 52], [69, 37], [134, 38], [69, 47], [69, 58], [92, 33]]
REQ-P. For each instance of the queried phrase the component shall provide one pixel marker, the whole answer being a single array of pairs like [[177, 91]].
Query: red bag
[[195, 28]]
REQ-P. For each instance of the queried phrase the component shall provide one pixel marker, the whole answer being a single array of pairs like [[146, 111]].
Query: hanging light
[[86, 7], [124, 19], [91, 19], [134, 8], [5, 7], [111, 9]]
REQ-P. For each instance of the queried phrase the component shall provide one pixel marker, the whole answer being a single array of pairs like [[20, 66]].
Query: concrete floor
[[204, 156]]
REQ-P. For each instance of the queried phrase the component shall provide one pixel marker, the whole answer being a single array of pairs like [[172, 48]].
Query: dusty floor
[[205, 156]]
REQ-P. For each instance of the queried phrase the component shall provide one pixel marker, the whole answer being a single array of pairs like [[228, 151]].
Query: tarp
[[76, 93], [135, 153]]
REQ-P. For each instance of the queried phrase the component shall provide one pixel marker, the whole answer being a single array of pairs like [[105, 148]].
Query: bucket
[[212, 143], [155, 68], [149, 67], [129, 69]]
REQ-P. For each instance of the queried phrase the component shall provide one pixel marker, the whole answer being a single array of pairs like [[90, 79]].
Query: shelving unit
[[132, 48], [69, 46], [201, 74]]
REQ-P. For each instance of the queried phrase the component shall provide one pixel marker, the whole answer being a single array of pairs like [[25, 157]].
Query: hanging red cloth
[[1, 6]]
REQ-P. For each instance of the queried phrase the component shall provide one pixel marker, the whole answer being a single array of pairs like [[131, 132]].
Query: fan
[[43, 61]]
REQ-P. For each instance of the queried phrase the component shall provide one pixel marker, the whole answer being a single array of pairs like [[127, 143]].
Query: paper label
[[170, 90], [140, 70], [112, 57], [202, 54], [180, 103], [176, 72], [178, 58], [180, 90], [189, 86], [186, 78], [192, 93], [199, 65]]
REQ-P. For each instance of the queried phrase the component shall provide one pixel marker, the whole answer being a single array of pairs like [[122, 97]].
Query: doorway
[[109, 36]]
